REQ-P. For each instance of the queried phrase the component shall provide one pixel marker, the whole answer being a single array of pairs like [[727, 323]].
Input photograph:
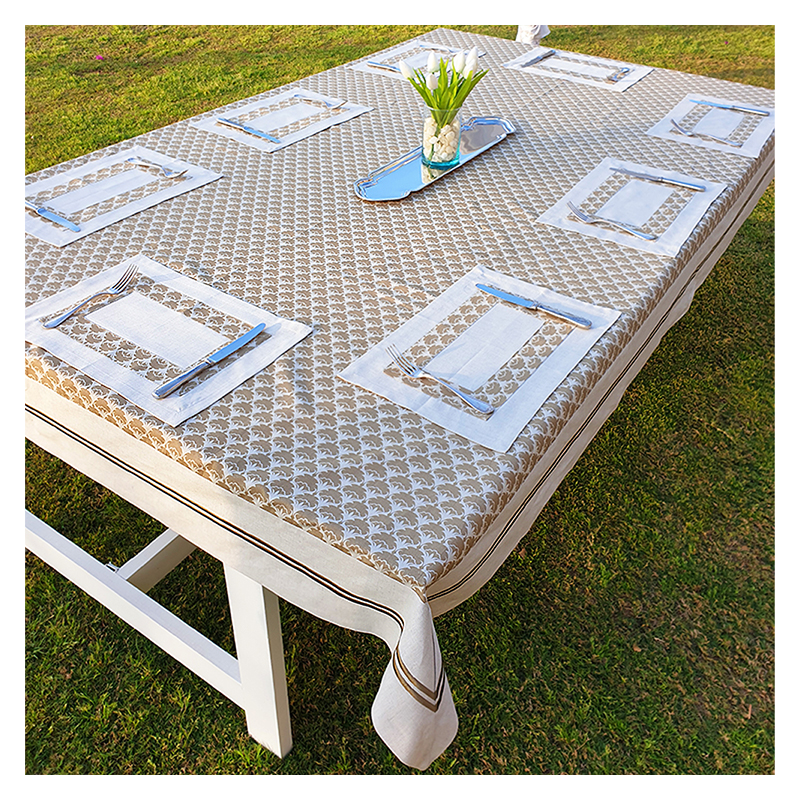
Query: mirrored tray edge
[[406, 172]]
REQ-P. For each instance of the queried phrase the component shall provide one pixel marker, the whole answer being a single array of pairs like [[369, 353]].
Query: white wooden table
[[313, 490]]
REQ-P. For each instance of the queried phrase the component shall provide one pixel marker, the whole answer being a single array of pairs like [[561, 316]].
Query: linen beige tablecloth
[[387, 519]]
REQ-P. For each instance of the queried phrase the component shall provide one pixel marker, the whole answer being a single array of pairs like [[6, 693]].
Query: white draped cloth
[[532, 34]]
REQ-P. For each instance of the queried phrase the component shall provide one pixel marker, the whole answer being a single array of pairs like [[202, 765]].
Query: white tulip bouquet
[[444, 91], [443, 88]]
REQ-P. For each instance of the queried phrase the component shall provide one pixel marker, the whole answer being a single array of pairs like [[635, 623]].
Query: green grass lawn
[[631, 632]]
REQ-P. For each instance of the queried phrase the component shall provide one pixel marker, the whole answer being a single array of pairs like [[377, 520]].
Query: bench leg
[[255, 615]]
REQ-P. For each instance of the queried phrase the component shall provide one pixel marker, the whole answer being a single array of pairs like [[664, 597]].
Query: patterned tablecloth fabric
[[401, 497]]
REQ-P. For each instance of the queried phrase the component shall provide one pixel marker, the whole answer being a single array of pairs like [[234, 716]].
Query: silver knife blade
[[247, 129], [381, 65], [540, 57], [580, 322], [659, 179], [745, 109], [52, 216], [215, 357]]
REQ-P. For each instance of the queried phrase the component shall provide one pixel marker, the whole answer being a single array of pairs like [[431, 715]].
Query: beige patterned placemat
[[746, 132], [615, 76], [135, 366], [287, 118], [108, 190], [672, 212], [516, 381]]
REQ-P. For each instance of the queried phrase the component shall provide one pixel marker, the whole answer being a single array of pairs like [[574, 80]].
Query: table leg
[[132, 605], [255, 615]]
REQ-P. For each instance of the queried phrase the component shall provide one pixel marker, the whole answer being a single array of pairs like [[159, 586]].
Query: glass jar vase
[[441, 137]]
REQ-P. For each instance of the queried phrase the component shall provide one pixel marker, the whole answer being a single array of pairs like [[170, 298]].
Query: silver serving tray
[[407, 174]]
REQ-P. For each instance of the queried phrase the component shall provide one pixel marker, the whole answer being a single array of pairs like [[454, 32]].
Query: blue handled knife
[[534, 306], [208, 361], [52, 216]]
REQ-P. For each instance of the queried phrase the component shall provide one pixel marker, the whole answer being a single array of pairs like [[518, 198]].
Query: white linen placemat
[[578, 68], [286, 109], [285, 116], [163, 331], [188, 344], [478, 353], [748, 130], [485, 346], [415, 54], [635, 202], [83, 204]]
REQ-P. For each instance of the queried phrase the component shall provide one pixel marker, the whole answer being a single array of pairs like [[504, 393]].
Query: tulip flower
[[405, 70], [472, 62], [445, 90], [431, 62]]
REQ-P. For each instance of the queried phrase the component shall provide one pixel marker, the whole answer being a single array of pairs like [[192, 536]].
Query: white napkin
[[479, 353], [420, 60], [579, 68], [635, 203], [75, 201], [68, 203], [172, 336], [718, 122], [274, 118]]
